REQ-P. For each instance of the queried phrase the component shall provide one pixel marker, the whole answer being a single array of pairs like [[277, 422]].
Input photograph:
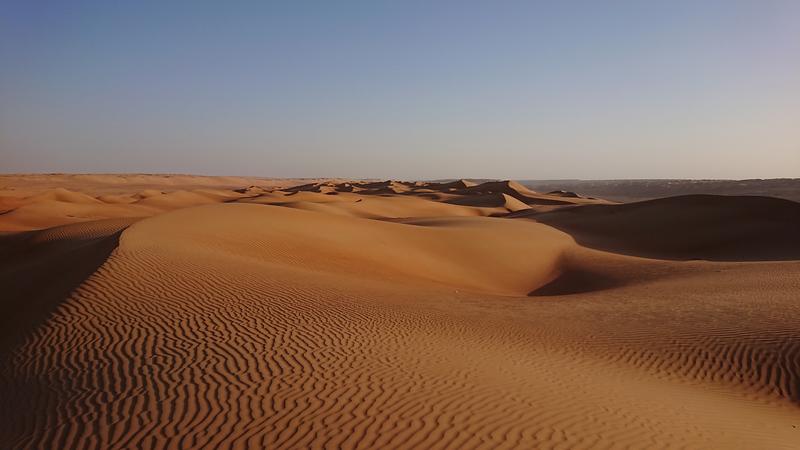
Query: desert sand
[[181, 312]]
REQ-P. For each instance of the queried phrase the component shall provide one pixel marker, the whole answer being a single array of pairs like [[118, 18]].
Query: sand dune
[[81, 198], [394, 315], [38, 269], [687, 227], [127, 183]]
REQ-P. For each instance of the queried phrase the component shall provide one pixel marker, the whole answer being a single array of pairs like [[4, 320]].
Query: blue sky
[[614, 89]]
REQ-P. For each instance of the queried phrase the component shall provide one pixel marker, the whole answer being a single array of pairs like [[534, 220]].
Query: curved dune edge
[[250, 326], [710, 227], [473, 253], [39, 202], [39, 269]]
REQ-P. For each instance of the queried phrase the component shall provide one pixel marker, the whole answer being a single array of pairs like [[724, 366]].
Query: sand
[[395, 315]]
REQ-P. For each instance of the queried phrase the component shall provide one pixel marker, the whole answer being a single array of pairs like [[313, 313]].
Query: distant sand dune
[[688, 227], [298, 318]]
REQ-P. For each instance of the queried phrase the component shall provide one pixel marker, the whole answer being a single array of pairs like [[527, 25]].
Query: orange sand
[[392, 315]]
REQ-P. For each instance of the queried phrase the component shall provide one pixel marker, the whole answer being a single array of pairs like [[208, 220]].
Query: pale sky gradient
[[403, 89]]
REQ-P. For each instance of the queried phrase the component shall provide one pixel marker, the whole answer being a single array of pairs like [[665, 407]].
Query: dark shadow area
[[36, 275], [39, 270], [638, 190], [485, 201], [576, 281], [708, 227]]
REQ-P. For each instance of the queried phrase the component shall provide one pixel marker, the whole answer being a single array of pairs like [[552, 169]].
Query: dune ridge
[[686, 227], [300, 318], [45, 208]]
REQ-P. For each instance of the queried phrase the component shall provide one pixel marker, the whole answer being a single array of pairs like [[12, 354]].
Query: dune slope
[[257, 326], [708, 227], [38, 269]]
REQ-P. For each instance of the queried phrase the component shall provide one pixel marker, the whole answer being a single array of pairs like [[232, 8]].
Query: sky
[[402, 89]]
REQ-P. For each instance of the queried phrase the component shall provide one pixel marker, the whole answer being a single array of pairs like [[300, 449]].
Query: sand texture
[[233, 314]]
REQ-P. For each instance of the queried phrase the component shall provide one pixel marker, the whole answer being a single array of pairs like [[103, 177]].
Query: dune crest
[[687, 227]]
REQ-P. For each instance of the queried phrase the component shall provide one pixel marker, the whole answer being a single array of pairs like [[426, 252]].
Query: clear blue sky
[[402, 89]]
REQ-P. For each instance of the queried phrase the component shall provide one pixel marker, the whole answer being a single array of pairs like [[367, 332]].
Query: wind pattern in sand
[[403, 315]]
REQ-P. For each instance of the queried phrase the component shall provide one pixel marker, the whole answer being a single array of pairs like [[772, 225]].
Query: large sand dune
[[395, 315], [687, 227]]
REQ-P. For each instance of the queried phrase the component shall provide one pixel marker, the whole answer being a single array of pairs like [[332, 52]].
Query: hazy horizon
[[438, 179], [687, 90]]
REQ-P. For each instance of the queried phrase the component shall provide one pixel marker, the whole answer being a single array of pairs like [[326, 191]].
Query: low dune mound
[[103, 184], [251, 190], [388, 187], [43, 214], [366, 187], [466, 183], [513, 205], [386, 206], [8, 204], [373, 207], [478, 193], [117, 199], [307, 187], [387, 184], [61, 206], [148, 193], [562, 193], [491, 200], [497, 256], [63, 195], [687, 227], [504, 186], [176, 199], [459, 192], [457, 185]]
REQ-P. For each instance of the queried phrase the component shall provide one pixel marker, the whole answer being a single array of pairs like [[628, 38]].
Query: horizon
[[685, 91]]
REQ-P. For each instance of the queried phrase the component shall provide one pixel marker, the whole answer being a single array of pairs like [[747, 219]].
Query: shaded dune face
[[265, 320], [40, 268], [576, 281], [690, 227]]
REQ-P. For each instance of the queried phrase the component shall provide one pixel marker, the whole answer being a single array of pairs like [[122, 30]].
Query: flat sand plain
[[175, 312]]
